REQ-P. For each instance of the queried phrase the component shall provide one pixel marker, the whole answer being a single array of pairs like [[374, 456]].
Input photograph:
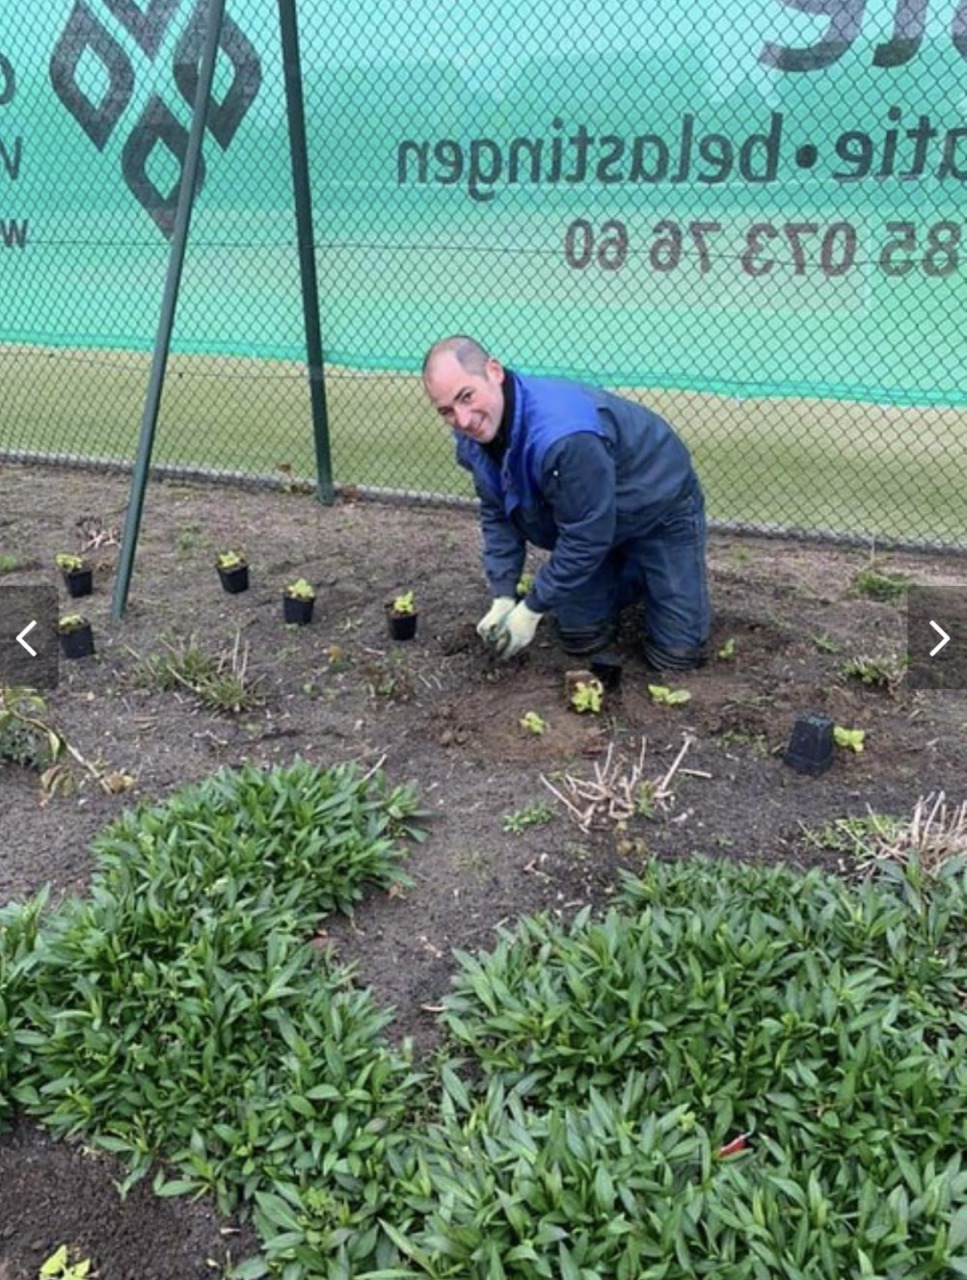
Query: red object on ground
[[736, 1145]]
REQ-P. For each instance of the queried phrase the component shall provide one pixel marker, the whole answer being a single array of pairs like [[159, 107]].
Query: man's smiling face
[[471, 403]]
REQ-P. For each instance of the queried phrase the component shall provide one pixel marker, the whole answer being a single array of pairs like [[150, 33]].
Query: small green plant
[[403, 604], [71, 622], [525, 584], [876, 673], [187, 539], [59, 1266], [852, 739], [28, 738], [230, 560], [727, 650], [389, 677], [645, 799], [666, 697], [534, 815], [301, 589], [533, 723], [9, 562], [824, 643], [68, 562], [885, 587], [586, 696], [26, 735], [858, 836]]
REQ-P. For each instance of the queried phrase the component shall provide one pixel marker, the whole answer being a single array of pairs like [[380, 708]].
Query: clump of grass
[[876, 585], [532, 815], [935, 835], [219, 680], [884, 672], [856, 836]]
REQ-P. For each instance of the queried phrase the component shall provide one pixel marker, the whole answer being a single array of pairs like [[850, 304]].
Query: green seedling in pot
[[301, 589], [68, 562], [404, 604], [230, 560], [72, 622]]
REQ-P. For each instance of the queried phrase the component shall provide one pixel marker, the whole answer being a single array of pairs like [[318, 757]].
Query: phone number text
[[833, 249]]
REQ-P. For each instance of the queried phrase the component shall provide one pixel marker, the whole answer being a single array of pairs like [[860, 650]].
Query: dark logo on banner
[[86, 36]]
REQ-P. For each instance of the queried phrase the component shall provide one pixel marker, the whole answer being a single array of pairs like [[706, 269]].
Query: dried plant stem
[[614, 793]]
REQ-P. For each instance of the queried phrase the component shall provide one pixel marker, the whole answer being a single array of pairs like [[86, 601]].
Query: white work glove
[[488, 624], [516, 631]]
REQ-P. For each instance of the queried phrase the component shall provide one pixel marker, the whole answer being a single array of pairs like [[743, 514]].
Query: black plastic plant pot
[[608, 670], [234, 580], [79, 582], [402, 626], [811, 743], [78, 642], [296, 610]]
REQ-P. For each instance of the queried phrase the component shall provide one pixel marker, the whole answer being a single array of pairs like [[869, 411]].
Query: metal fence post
[[169, 303], [307, 246]]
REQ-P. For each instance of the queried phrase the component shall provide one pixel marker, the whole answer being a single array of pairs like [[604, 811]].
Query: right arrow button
[[943, 638]]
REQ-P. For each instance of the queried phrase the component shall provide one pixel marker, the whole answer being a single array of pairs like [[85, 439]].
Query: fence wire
[[749, 216]]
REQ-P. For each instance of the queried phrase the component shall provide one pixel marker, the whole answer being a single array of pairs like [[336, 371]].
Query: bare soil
[[438, 712]]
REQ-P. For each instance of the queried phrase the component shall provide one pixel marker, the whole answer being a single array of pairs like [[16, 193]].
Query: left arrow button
[[26, 632]]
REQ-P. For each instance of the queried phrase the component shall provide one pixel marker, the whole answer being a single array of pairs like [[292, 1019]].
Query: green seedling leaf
[[586, 696], [533, 723], [664, 696], [56, 1263], [852, 739]]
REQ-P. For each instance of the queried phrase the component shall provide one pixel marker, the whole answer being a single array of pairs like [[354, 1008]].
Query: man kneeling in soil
[[602, 482]]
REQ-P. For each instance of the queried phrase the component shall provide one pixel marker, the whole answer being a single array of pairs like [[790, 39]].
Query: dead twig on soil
[[663, 789]]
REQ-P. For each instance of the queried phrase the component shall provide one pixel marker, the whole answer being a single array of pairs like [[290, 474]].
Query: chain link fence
[[751, 216]]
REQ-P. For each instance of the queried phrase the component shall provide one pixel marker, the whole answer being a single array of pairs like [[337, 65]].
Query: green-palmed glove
[[488, 624], [516, 631]]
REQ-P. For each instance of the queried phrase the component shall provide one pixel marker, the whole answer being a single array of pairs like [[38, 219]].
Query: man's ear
[[495, 370]]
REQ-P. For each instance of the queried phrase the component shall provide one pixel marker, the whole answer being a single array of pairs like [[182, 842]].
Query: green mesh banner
[[746, 198]]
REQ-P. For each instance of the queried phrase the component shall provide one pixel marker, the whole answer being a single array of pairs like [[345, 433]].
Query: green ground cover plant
[[613, 1060], [182, 1010], [579, 1120]]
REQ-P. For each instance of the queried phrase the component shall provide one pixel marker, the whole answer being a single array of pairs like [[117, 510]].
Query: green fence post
[[169, 303], [307, 246]]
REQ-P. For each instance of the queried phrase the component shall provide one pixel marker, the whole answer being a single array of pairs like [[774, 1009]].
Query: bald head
[[468, 353]]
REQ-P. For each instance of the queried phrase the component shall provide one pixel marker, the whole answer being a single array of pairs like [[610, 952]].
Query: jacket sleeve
[[504, 546], [578, 482]]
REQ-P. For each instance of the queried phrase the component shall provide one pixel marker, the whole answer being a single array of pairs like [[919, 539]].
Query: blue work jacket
[[584, 471]]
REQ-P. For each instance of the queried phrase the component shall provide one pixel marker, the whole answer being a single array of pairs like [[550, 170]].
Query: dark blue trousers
[[663, 566]]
